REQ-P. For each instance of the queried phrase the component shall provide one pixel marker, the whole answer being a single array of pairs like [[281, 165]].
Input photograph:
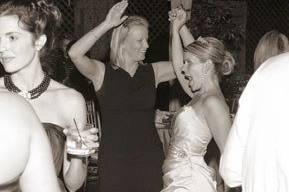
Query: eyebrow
[[11, 33]]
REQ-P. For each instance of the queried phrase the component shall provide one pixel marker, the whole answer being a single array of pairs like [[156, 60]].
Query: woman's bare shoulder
[[64, 93], [212, 102]]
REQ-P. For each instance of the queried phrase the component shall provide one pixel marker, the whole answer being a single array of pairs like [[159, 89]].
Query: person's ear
[[40, 42]]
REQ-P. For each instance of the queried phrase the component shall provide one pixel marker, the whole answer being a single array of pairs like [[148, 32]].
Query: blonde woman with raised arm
[[206, 116]]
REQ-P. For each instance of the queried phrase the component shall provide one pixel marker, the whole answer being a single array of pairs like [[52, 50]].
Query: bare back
[[14, 142], [25, 150]]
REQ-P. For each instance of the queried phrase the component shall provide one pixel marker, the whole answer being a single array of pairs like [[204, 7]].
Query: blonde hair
[[118, 36], [271, 44], [210, 48]]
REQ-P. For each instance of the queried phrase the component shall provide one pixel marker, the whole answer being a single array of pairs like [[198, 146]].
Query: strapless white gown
[[184, 167]]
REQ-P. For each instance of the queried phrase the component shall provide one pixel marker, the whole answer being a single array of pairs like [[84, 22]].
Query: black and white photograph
[[144, 95]]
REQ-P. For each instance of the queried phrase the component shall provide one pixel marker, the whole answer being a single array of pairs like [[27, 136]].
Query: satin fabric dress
[[184, 167]]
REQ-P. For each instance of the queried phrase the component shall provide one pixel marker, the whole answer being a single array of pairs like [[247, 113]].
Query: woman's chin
[[142, 57], [195, 90]]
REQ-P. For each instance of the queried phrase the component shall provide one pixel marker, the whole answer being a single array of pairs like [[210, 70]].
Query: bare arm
[[177, 50], [90, 68], [186, 36], [74, 167], [218, 119], [164, 71]]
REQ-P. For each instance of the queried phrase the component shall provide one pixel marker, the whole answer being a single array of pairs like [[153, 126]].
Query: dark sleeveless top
[[130, 151], [57, 141]]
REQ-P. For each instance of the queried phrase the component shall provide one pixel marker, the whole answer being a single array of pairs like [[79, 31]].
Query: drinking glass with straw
[[77, 145]]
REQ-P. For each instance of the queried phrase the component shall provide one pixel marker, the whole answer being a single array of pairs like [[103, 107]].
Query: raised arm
[[178, 19], [186, 36], [90, 68], [164, 71]]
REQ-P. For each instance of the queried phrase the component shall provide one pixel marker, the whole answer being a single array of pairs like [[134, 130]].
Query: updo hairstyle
[[205, 48], [36, 16]]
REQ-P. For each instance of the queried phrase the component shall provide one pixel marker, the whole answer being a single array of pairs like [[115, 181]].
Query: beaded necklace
[[33, 93]]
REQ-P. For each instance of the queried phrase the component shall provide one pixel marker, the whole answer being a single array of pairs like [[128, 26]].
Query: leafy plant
[[211, 19]]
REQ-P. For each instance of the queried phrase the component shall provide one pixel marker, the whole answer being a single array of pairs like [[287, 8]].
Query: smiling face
[[135, 43], [193, 70], [17, 48]]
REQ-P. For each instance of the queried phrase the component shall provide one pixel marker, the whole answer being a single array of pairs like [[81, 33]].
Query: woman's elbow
[[74, 185], [72, 54]]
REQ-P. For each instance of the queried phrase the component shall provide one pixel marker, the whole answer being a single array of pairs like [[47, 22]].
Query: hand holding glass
[[82, 142], [163, 118]]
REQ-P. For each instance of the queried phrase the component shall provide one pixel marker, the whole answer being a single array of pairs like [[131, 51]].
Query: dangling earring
[[203, 80], [204, 76]]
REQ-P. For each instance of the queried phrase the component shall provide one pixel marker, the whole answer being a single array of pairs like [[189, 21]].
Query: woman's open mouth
[[188, 77]]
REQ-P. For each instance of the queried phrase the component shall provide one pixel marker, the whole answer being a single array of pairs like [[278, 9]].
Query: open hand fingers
[[120, 7]]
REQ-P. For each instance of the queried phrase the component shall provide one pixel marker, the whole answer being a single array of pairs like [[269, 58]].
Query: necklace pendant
[[25, 94]]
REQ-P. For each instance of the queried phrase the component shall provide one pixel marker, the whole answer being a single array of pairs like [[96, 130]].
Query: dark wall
[[263, 16]]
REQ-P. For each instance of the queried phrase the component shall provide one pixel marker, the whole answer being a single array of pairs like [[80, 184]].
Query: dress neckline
[[194, 100], [128, 74]]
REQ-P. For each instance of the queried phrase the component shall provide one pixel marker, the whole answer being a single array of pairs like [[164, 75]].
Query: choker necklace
[[32, 94]]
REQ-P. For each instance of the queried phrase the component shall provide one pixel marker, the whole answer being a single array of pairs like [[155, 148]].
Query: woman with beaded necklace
[[26, 36]]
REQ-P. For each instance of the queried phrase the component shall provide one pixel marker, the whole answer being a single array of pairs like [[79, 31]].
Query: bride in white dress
[[198, 69]]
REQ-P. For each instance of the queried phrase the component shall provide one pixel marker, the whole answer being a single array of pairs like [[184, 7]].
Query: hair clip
[[202, 40]]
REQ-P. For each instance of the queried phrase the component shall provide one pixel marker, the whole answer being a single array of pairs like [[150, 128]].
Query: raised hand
[[114, 16], [177, 17]]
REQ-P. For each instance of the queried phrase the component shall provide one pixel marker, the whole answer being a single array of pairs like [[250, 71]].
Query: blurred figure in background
[[255, 155], [271, 44]]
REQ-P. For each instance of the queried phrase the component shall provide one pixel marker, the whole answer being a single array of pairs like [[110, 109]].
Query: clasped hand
[[177, 17]]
